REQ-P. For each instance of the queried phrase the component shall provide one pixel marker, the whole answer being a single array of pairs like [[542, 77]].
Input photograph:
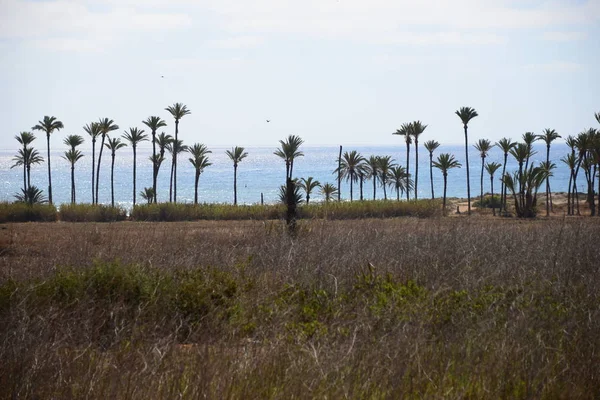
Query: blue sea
[[261, 172]]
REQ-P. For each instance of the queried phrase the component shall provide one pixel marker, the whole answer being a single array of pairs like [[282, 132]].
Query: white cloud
[[556, 66], [564, 36]]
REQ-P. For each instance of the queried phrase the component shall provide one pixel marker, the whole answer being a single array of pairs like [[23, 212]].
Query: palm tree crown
[[466, 114], [349, 168], [416, 129], [289, 151], [49, 125], [308, 185]]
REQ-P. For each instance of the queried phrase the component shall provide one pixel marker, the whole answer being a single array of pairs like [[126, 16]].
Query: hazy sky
[[332, 71]]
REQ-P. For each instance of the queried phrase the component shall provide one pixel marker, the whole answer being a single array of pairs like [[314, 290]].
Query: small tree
[[308, 185], [491, 169], [329, 191], [444, 163]]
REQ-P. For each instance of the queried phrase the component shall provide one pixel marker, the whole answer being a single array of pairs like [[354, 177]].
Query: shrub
[[488, 202], [23, 212], [91, 213]]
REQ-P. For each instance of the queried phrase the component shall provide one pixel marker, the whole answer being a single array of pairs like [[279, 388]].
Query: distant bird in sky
[[268, 120], [162, 76]]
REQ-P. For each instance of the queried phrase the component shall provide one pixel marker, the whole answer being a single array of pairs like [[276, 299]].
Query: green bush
[[91, 213], [23, 212], [488, 202]]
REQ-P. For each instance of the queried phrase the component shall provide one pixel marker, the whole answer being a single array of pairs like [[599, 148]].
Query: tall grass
[[91, 213], [442, 308], [23, 212]]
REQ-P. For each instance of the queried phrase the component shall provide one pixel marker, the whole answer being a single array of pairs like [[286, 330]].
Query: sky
[[335, 72]]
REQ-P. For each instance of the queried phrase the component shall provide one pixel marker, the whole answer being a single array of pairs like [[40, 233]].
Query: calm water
[[260, 172]]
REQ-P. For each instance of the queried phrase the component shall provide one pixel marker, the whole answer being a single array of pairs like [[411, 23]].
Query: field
[[374, 308]]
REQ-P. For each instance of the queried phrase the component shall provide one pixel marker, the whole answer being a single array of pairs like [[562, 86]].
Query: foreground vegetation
[[396, 308]]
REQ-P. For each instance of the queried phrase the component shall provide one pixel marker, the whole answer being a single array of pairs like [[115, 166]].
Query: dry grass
[[436, 308]]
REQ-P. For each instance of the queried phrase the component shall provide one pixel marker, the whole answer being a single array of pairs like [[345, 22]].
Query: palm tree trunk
[[72, 183], [383, 183], [468, 175], [481, 183], [548, 198], [416, 167], [407, 170], [291, 168], [28, 175], [154, 166], [351, 180], [361, 187], [503, 187], [196, 186], [98, 168], [93, 168], [171, 183], [134, 173], [112, 180], [24, 174], [374, 186], [492, 188], [575, 191], [175, 162], [49, 172], [445, 186], [431, 174], [339, 177], [397, 193], [235, 185]]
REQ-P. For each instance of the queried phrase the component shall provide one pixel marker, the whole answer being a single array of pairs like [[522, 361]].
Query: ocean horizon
[[260, 173]]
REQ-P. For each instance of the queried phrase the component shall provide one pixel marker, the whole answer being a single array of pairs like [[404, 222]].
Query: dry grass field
[[376, 308]]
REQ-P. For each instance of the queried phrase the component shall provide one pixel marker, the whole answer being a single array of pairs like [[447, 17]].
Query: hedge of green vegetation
[[23, 212]]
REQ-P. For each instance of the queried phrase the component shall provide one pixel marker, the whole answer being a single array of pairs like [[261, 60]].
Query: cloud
[[555, 66], [237, 42], [564, 36]]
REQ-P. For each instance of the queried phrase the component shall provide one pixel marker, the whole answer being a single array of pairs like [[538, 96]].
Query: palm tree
[[27, 156], [372, 170], [93, 130], [49, 125], [571, 161], [308, 185], [106, 126], [398, 180], [288, 152], [154, 123], [25, 139], [572, 143], [491, 169], [362, 173], [113, 144], [135, 136], [148, 194], [174, 148], [178, 111], [349, 168], [483, 146], [466, 114], [236, 154], [506, 145], [405, 130], [520, 152], [528, 139], [548, 167], [199, 159], [385, 166], [444, 163], [72, 156], [416, 129], [328, 190], [529, 182], [163, 141], [548, 136], [585, 144], [431, 146], [33, 195]]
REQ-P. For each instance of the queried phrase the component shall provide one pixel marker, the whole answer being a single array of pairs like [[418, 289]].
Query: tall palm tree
[[548, 136], [72, 156], [106, 126], [308, 185], [385, 166], [25, 139], [329, 191], [113, 144], [349, 168], [199, 159], [178, 111], [416, 129], [528, 139], [49, 125], [431, 146], [372, 170], [572, 143], [148, 193], [571, 161], [506, 145], [466, 114], [406, 130], [483, 146], [174, 148], [491, 169], [289, 151], [398, 180], [444, 163], [93, 130], [163, 141], [362, 173], [236, 154], [154, 123], [27, 156], [135, 136]]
